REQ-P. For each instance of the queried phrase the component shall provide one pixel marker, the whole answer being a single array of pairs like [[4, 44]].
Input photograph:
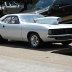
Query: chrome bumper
[[64, 37]]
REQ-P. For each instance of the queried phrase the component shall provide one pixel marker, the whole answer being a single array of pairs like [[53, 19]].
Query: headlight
[[49, 32]]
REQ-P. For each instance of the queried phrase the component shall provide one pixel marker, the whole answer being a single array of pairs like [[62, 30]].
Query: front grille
[[60, 31]]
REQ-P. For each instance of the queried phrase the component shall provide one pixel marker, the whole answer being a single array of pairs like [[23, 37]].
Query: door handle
[[3, 26]]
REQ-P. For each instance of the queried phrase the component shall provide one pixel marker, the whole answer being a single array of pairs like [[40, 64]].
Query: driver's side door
[[11, 28]]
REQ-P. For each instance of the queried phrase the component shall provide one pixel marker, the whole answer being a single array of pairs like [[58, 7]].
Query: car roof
[[18, 15]]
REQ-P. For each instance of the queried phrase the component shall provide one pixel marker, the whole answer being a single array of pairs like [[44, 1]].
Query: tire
[[34, 40], [1, 39], [66, 43]]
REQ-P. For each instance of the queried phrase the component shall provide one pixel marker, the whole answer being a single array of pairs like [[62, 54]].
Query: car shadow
[[56, 48], [65, 51]]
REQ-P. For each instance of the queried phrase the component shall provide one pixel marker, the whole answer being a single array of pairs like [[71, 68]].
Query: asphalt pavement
[[14, 65], [19, 57]]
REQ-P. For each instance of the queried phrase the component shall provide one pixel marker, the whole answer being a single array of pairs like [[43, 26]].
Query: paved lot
[[19, 57], [8, 64]]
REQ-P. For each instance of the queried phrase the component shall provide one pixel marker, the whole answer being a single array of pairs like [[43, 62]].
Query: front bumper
[[65, 37]]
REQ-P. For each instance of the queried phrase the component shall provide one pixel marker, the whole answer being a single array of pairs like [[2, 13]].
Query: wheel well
[[32, 33], [1, 38]]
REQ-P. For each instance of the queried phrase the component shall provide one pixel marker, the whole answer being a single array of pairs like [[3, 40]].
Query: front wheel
[[34, 40], [66, 43]]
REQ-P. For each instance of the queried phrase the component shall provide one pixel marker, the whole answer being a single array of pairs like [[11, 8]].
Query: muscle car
[[35, 29]]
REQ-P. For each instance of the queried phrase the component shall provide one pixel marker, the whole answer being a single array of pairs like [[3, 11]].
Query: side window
[[13, 3], [7, 19], [15, 20], [8, 4]]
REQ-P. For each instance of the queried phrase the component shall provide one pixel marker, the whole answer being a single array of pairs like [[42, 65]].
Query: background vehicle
[[61, 8], [10, 7]]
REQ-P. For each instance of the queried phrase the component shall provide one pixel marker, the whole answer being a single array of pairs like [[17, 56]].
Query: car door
[[12, 28]]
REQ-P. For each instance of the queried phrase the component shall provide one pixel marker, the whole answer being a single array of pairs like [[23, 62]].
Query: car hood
[[52, 20], [59, 26], [42, 10], [37, 11]]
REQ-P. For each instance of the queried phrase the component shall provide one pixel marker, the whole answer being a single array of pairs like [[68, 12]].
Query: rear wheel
[[1, 39], [34, 40], [66, 43]]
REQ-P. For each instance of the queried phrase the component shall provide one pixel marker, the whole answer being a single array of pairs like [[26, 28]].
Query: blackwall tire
[[1, 40], [34, 40], [66, 43]]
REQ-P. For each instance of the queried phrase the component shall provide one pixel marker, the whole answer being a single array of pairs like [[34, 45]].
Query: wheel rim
[[34, 40]]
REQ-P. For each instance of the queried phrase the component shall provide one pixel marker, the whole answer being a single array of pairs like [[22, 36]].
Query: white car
[[34, 28]]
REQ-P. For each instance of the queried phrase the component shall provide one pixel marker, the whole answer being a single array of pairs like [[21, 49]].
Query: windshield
[[43, 4], [30, 18]]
